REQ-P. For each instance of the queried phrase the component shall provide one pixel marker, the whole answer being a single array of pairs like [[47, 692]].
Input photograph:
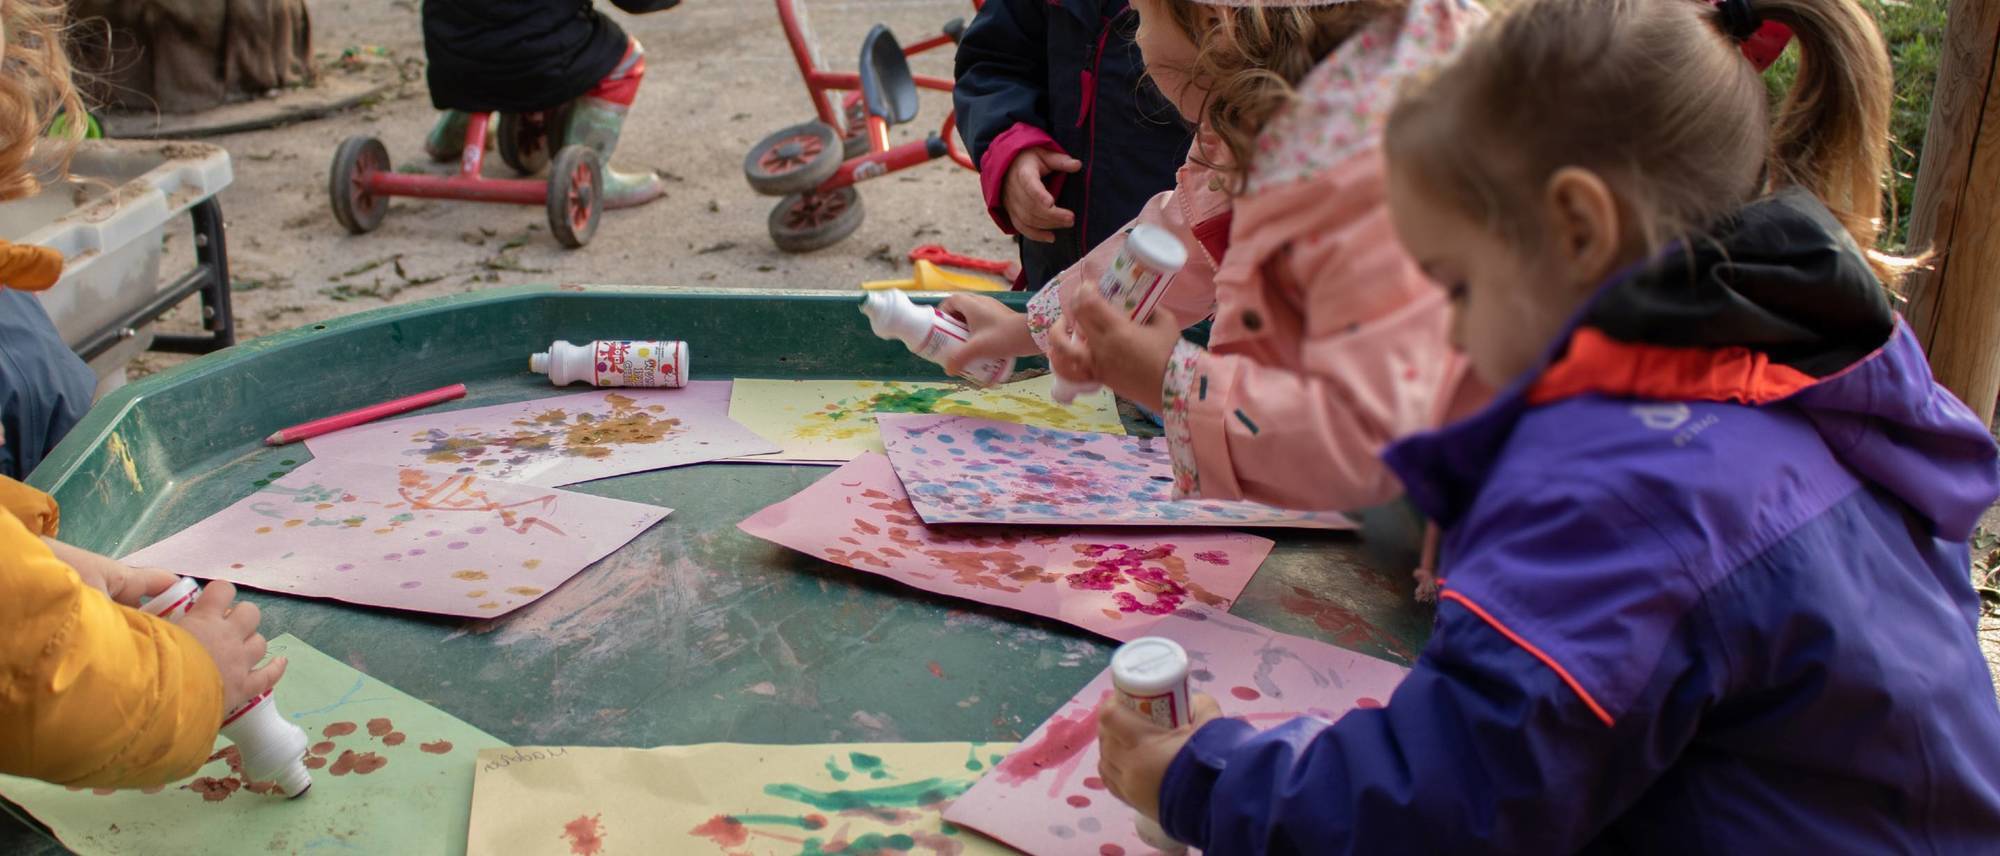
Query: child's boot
[[595, 122], [447, 138]]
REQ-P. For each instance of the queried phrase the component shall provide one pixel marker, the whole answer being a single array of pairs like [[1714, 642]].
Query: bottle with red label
[[615, 362], [1150, 674]]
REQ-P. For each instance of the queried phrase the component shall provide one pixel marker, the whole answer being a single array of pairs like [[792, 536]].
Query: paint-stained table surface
[[694, 632]]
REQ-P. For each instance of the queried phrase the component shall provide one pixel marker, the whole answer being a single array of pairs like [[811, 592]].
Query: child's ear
[[1584, 225]]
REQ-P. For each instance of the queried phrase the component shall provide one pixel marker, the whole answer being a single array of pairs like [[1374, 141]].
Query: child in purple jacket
[[1705, 567]]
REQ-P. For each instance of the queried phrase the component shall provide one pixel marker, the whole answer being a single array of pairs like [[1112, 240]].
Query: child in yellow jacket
[[94, 693]]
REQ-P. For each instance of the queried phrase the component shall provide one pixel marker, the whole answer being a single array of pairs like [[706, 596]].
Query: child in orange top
[[94, 693], [1328, 343]]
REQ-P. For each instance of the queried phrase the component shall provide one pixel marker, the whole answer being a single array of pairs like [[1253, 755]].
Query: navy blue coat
[[44, 388], [1066, 74], [520, 56]]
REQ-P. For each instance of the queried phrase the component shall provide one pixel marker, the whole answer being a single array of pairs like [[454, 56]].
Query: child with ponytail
[[1328, 343], [1705, 580]]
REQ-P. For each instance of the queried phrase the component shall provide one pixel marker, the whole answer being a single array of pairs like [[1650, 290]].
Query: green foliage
[[1914, 30]]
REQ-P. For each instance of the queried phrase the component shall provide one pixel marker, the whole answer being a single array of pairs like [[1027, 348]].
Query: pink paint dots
[[411, 584], [1213, 557], [416, 552], [476, 530], [1078, 801], [392, 557], [1245, 693], [1111, 850], [1094, 783], [433, 533], [1367, 703], [457, 545], [344, 567]]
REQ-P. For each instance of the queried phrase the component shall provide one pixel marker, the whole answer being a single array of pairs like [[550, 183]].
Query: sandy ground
[[719, 77]]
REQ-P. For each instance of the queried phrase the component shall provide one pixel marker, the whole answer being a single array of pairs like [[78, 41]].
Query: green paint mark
[[405, 517], [287, 462], [794, 821], [972, 760], [277, 475], [895, 401], [996, 759], [947, 827], [833, 769], [862, 845], [864, 763], [927, 792], [262, 482]]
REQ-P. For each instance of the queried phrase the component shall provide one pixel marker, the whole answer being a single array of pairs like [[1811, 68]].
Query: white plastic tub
[[108, 221]]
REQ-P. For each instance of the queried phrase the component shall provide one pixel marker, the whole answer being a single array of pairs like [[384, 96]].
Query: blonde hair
[[35, 85], [1655, 98], [1249, 63]]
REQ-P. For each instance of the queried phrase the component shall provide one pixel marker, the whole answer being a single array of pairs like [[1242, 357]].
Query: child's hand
[[997, 331], [229, 631], [1130, 359], [1133, 753], [124, 583], [1026, 194], [1069, 354]]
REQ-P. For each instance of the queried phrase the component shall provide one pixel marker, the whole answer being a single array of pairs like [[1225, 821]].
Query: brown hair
[[1250, 62], [35, 85], [1652, 96]]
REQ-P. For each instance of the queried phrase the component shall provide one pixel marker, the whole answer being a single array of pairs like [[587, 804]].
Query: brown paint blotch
[[213, 789], [585, 834], [263, 530], [360, 764], [324, 747], [379, 726], [338, 729], [489, 605], [524, 591], [532, 564], [476, 593], [393, 738], [469, 576], [314, 762], [436, 747]]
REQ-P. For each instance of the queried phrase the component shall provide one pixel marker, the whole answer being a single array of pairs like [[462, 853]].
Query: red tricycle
[[361, 180], [815, 166]]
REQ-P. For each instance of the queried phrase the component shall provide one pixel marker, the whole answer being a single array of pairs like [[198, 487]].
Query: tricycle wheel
[[794, 160], [576, 195], [354, 206], [524, 141], [803, 222], [855, 144]]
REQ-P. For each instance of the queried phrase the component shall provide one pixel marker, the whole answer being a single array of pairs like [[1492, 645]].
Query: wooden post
[[1955, 306]]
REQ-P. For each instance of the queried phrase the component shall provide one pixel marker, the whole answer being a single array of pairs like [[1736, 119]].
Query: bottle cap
[[1156, 248], [1149, 665], [174, 601]]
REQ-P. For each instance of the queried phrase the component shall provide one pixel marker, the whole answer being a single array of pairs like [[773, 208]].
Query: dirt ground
[[719, 77]]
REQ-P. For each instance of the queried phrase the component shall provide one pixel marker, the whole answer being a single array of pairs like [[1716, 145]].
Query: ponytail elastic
[[1760, 42]]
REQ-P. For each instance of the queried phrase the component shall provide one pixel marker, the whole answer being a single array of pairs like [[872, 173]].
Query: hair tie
[[1739, 21]]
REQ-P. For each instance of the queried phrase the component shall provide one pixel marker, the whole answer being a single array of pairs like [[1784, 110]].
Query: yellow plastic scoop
[[930, 277]]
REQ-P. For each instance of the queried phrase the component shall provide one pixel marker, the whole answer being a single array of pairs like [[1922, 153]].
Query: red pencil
[[366, 414]]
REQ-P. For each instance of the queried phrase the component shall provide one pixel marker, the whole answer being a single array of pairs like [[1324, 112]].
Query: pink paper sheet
[[958, 469], [1045, 797], [561, 440], [403, 538], [1119, 583]]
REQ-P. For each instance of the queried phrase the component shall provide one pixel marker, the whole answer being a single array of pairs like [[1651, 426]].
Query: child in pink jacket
[[1328, 341]]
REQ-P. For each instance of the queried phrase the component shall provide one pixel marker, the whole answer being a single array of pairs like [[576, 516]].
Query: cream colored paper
[[727, 798], [832, 421]]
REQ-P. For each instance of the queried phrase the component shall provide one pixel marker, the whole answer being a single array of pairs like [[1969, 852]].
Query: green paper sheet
[[394, 775]]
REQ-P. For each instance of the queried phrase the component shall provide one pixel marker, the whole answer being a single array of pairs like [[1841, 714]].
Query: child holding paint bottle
[[1707, 588], [94, 693]]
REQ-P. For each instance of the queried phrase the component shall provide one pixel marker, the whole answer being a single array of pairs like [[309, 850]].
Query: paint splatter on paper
[[367, 797], [963, 470], [1045, 797], [882, 799], [561, 440], [403, 538], [832, 421], [1114, 582]]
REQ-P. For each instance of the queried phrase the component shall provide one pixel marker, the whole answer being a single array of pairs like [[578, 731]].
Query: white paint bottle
[[1150, 674], [615, 362], [1138, 278], [929, 333], [273, 749]]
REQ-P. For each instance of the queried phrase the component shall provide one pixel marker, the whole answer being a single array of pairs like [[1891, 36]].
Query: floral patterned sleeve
[[1176, 396], [1044, 311]]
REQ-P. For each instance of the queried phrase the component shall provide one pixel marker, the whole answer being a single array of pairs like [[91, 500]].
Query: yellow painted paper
[[728, 798], [834, 420]]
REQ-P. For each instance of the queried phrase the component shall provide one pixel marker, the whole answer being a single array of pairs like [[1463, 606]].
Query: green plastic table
[[655, 644]]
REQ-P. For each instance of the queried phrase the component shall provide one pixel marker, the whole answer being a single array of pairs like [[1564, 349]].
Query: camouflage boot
[[595, 122]]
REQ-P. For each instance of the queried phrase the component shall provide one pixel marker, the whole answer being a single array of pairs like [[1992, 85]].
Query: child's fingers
[[149, 581], [1094, 316], [244, 618], [1061, 162], [264, 678], [1205, 708], [215, 599]]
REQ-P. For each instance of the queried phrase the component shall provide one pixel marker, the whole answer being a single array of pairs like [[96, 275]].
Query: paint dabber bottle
[[929, 333], [615, 362], [1138, 278], [1150, 674], [273, 748]]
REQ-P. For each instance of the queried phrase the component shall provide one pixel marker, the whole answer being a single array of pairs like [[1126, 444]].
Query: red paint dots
[[1367, 703], [360, 765], [393, 738], [214, 790], [338, 729], [379, 726], [586, 835], [1094, 783], [815, 821], [1078, 801], [324, 747], [1111, 850], [1245, 693], [314, 762], [937, 671], [436, 748]]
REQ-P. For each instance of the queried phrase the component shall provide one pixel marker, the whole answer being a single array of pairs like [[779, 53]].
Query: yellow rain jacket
[[92, 694]]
